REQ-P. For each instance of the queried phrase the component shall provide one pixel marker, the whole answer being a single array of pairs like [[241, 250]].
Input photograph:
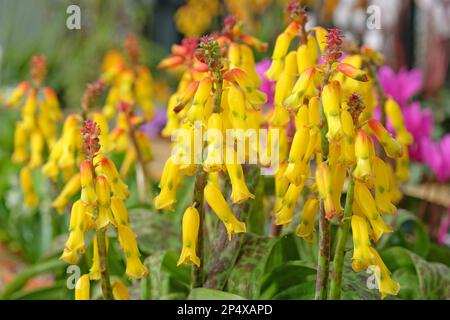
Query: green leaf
[[246, 277], [410, 233], [439, 253], [212, 294], [292, 280], [433, 278], [55, 292], [303, 291], [23, 277], [164, 276], [354, 284]]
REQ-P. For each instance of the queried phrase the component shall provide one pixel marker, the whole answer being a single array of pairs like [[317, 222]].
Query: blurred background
[[414, 36]]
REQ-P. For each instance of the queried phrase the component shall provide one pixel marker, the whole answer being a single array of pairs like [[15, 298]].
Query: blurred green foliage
[[28, 28]]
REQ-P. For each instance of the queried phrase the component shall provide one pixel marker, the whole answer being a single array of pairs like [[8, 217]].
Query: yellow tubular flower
[[26, 182], [118, 187], [113, 97], [120, 291], [88, 195], [191, 224], [75, 242], [305, 229], [386, 285], [363, 169], [361, 244], [338, 175], [214, 138], [395, 115], [255, 97], [29, 111], [323, 180], [331, 100], [285, 214], [314, 111], [402, 166], [240, 192], [392, 147], [18, 93], [279, 52], [197, 110], [381, 185], [366, 203], [307, 54], [94, 271], [20, 154], [37, 147], [127, 239], [394, 192], [321, 37], [82, 288], [348, 140], [71, 188], [248, 64], [281, 186], [301, 87], [298, 149], [170, 179], [280, 116], [301, 118], [103, 191], [217, 202], [236, 103], [119, 211], [104, 137]]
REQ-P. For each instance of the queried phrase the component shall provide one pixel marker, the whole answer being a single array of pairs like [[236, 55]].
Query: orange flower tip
[[170, 62], [178, 50], [376, 127], [200, 66], [352, 72]]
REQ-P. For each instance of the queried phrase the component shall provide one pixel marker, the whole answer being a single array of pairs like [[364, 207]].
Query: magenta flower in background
[[402, 86], [267, 86]]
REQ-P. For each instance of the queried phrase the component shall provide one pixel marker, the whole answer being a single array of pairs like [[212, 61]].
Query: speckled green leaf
[[246, 277], [433, 278]]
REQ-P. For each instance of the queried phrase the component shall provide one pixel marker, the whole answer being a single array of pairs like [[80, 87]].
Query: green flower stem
[[198, 273], [338, 262], [103, 261]]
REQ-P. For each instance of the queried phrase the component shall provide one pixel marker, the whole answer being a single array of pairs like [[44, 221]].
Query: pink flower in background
[[402, 86], [267, 86]]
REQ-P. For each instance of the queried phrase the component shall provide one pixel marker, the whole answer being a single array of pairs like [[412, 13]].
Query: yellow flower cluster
[[101, 206], [336, 98], [36, 131], [223, 96], [130, 101], [195, 17]]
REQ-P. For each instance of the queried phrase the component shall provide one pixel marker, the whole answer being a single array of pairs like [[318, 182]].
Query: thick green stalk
[[198, 273], [103, 261], [338, 262]]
